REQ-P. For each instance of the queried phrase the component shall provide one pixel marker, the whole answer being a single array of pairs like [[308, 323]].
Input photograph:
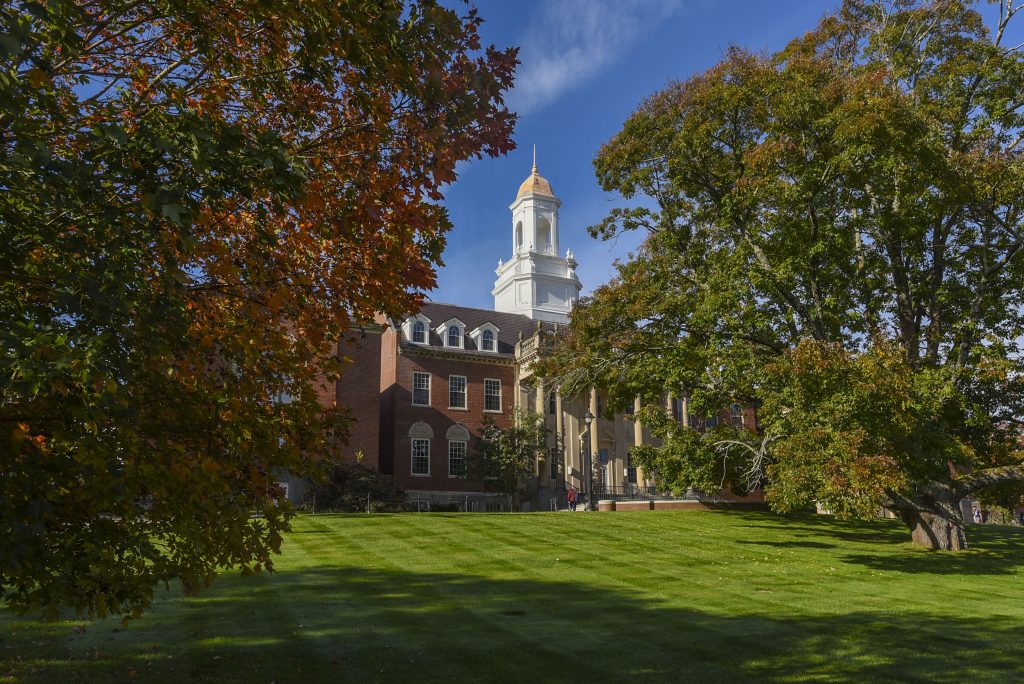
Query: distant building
[[420, 388]]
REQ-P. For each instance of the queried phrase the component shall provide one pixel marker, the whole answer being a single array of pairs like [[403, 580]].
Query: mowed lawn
[[657, 596]]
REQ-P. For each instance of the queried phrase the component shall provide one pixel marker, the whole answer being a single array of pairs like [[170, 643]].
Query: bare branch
[[756, 469]]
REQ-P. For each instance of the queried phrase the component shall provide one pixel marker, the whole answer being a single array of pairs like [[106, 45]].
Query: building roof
[[509, 326], [535, 184]]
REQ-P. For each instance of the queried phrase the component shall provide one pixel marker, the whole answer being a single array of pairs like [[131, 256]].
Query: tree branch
[[968, 484]]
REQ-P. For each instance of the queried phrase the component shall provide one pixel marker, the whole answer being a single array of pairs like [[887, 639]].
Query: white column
[[638, 429], [538, 406], [638, 432], [554, 231], [560, 432], [595, 455]]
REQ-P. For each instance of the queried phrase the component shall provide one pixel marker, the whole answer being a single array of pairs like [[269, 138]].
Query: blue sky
[[586, 65]]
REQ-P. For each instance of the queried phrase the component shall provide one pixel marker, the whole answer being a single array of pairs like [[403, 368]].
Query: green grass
[[659, 596]]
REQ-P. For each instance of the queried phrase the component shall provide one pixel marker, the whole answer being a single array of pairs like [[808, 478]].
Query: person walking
[[571, 498], [977, 516]]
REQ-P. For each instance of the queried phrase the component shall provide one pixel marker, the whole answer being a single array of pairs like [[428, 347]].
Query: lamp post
[[588, 467]]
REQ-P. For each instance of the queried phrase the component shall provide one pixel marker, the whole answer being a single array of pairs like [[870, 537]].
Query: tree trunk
[[939, 532], [933, 516]]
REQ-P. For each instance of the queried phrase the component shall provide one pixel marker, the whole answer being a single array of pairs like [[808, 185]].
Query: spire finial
[[535, 158]]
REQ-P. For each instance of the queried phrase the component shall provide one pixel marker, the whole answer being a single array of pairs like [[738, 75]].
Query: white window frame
[[465, 393], [477, 335], [484, 340], [736, 411], [487, 410], [442, 332], [422, 328], [412, 456], [414, 374], [465, 454], [409, 325]]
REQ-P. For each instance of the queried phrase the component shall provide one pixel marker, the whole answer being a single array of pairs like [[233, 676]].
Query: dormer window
[[415, 329], [451, 333], [485, 337]]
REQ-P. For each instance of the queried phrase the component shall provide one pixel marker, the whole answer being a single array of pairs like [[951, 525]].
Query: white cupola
[[536, 282]]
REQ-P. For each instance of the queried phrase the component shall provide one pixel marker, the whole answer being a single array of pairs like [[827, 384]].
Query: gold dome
[[535, 184]]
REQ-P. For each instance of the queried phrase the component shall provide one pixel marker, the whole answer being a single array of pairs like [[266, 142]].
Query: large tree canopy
[[835, 236], [196, 200]]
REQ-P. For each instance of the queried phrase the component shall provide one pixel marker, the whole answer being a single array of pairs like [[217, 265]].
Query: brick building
[[420, 388]]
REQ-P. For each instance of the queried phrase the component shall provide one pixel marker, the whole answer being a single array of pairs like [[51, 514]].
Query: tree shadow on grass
[[994, 549], [880, 531], [791, 544], [355, 624]]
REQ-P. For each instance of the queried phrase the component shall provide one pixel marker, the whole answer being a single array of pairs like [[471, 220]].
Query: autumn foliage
[[197, 199]]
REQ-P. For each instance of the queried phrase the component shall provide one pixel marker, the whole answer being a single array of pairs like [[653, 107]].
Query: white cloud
[[571, 41]]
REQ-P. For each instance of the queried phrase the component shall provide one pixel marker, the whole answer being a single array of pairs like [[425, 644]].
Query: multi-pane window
[[737, 416], [600, 407], [677, 410], [630, 469], [454, 336], [711, 422], [419, 332], [420, 456], [456, 391], [492, 395], [553, 462], [421, 389], [552, 403], [456, 459], [487, 341]]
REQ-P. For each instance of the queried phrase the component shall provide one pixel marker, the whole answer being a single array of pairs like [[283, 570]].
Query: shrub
[[346, 490]]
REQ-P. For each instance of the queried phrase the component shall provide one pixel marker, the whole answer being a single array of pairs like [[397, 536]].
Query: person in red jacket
[[571, 498]]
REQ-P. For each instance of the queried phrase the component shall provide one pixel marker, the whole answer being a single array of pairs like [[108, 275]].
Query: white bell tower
[[536, 282]]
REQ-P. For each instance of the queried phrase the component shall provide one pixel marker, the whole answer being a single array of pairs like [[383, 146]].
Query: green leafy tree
[[1007, 498], [506, 459], [355, 488], [197, 200], [835, 235]]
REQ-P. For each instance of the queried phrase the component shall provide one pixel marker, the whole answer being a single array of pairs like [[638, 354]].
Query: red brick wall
[[749, 418], [358, 391], [388, 370], [326, 392], [439, 417]]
